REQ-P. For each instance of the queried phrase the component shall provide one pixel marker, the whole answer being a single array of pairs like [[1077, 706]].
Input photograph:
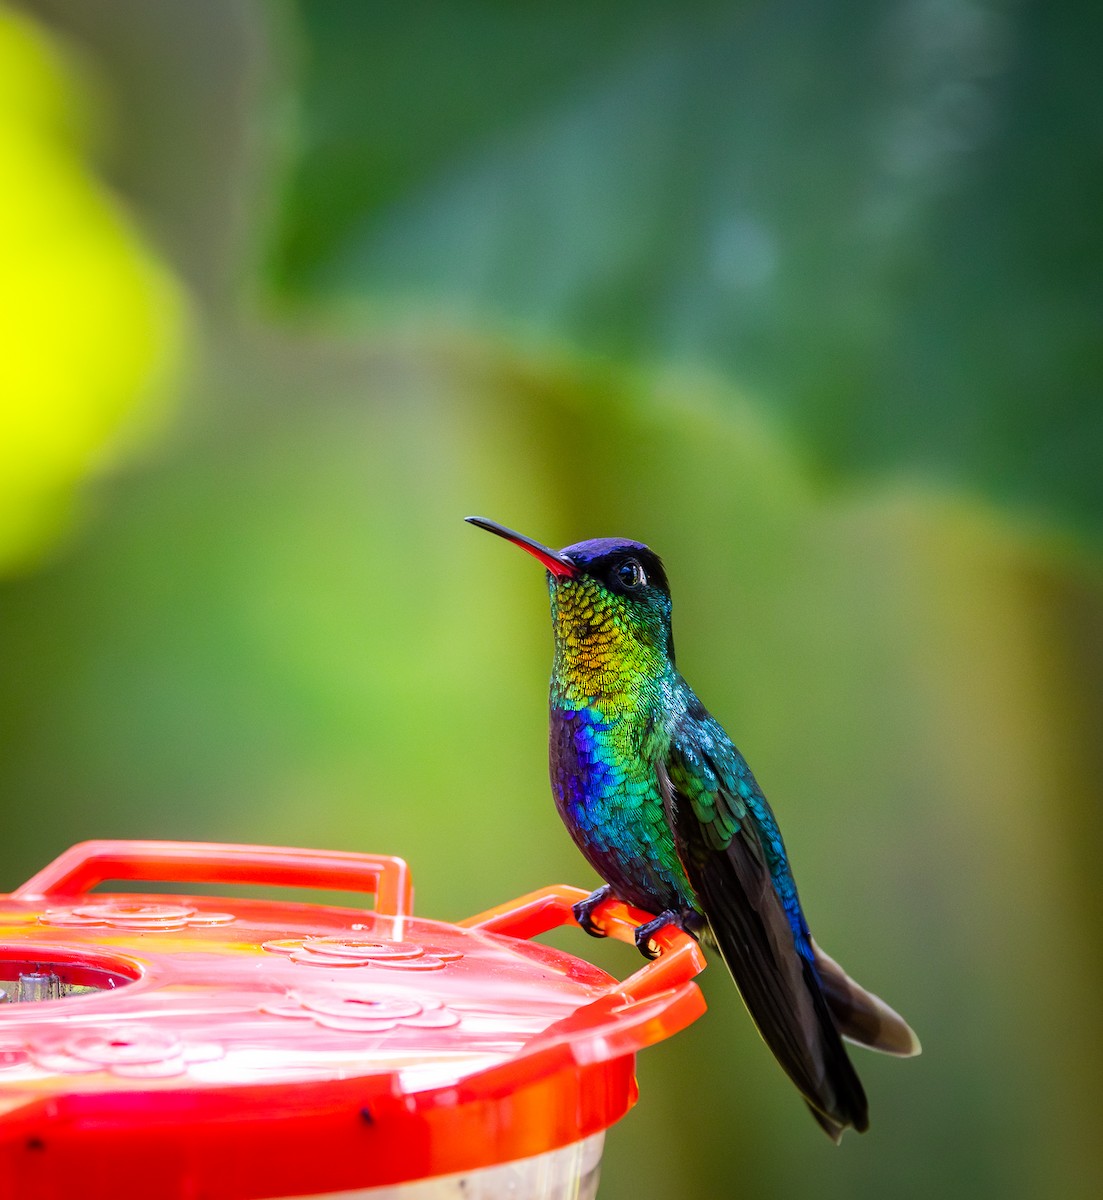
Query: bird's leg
[[584, 910], [688, 922]]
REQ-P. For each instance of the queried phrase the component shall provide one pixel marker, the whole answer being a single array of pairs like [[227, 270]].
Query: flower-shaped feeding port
[[136, 916], [131, 1052], [12, 1054], [363, 952], [363, 1012]]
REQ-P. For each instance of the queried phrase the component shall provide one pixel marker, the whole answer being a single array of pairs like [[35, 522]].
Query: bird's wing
[[733, 856]]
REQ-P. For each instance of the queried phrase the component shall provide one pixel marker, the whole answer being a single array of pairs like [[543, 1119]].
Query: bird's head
[[610, 598]]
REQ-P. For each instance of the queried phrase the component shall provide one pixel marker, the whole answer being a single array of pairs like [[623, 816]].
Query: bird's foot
[[645, 933], [584, 910]]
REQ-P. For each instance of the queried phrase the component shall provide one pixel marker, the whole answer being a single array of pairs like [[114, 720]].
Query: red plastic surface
[[274, 1049], [83, 866]]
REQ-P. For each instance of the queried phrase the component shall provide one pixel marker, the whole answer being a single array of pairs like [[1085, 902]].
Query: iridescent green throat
[[606, 651]]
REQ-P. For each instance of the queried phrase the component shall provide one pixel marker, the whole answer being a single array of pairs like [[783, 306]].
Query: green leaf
[[881, 220]]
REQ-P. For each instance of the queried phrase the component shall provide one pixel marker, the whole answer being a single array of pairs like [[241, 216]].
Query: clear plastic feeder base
[[569, 1173]]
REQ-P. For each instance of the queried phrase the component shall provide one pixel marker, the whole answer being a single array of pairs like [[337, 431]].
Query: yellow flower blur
[[89, 320]]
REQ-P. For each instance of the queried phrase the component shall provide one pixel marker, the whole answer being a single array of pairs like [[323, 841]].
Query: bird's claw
[[643, 945], [584, 910], [645, 933]]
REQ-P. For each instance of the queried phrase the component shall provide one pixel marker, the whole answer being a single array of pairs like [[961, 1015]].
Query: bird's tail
[[860, 1016], [789, 1006]]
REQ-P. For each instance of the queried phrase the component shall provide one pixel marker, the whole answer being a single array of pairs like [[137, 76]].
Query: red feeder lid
[[234, 1049]]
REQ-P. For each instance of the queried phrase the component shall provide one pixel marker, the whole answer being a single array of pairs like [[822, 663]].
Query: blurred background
[[807, 297]]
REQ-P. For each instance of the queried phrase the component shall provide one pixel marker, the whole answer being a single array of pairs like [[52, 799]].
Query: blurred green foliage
[[473, 259], [882, 218]]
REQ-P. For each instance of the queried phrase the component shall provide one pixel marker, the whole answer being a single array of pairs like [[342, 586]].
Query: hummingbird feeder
[[236, 1049]]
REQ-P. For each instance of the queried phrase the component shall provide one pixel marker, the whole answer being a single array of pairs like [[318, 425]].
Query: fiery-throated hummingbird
[[666, 810]]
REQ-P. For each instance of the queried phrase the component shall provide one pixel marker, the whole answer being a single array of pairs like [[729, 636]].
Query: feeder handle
[[680, 958], [86, 864]]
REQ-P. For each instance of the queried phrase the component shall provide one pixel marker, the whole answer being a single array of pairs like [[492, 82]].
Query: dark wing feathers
[[717, 815]]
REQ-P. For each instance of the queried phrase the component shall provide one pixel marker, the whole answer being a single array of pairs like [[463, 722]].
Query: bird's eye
[[630, 574]]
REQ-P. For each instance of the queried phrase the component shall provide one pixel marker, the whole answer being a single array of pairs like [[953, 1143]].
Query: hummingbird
[[667, 812]]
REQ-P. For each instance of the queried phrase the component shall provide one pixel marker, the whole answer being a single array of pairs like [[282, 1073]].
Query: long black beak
[[557, 563]]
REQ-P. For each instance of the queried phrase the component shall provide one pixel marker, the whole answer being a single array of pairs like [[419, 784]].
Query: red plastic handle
[[86, 864], [680, 958]]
